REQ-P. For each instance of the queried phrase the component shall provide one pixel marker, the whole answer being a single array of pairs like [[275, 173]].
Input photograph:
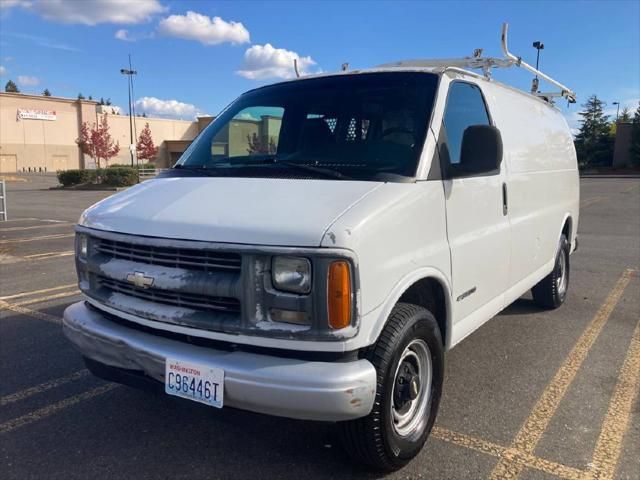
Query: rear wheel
[[551, 292], [409, 361]]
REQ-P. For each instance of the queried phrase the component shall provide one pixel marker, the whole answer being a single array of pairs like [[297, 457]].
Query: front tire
[[551, 291], [409, 361]]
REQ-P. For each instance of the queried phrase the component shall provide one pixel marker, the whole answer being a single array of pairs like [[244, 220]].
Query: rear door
[[477, 225]]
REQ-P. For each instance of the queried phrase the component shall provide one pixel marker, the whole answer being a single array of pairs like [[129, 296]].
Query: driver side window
[[465, 107]]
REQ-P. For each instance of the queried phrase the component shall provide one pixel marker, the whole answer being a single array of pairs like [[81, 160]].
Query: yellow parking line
[[616, 422], [49, 410], [34, 292], [511, 454], [30, 313], [34, 239], [632, 187], [591, 201], [45, 256], [43, 387], [46, 298], [33, 227], [546, 406]]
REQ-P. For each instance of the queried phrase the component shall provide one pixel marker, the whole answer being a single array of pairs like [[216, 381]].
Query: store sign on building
[[36, 114]]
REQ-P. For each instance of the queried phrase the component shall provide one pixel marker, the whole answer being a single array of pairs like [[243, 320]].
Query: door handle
[[505, 206]]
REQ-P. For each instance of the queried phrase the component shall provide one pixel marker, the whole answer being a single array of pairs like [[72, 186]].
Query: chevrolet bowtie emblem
[[140, 280]]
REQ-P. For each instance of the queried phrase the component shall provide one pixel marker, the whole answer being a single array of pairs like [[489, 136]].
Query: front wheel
[[409, 361], [551, 291]]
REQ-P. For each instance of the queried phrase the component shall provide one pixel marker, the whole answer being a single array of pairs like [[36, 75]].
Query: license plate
[[200, 383]]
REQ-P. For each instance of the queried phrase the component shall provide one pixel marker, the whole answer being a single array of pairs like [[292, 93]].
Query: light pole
[[538, 46], [130, 73], [617, 110]]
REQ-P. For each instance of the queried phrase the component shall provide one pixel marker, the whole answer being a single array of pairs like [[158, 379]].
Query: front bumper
[[308, 390]]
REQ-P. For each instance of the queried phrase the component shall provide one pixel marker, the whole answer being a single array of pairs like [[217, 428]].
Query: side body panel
[[542, 184]]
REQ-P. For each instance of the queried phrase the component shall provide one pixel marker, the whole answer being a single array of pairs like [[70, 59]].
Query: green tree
[[635, 139], [625, 116], [80, 96], [594, 143], [11, 87], [46, 93]]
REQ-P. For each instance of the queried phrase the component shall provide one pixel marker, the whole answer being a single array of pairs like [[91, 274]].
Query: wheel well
[[429, 293], [566, 229]]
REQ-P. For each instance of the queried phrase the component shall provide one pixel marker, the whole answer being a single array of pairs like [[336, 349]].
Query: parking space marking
[[33, 227], [30, 313], [34, 239], [45, 256], [631, 188], [35, 292], [54, 408], [20, 220], [513, 455], [33, 219], [43, 387], [46, 298], [535, 425], [591, 201], [616, 423]]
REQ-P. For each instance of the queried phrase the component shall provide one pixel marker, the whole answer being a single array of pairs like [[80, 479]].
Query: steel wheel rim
[[561, 278], [407, 418]]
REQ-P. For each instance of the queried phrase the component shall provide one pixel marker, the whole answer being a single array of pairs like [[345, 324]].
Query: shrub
[[120, 176], [69, 178]]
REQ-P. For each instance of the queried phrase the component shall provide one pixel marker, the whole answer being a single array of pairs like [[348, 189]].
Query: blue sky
[[193, 62]]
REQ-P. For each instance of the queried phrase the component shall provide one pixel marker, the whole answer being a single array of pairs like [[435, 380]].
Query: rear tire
[[409, 361], [551, 291]]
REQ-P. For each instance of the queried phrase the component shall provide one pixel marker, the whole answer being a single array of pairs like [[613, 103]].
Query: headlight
[[291, 274], [83, 245]]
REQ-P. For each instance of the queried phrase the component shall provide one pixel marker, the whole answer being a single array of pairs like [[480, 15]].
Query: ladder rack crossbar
[[487, 63]]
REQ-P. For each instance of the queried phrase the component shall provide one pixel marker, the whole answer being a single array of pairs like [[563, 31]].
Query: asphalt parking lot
[[531, 395]]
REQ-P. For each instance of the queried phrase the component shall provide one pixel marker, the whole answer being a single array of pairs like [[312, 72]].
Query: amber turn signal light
[[339, 295]]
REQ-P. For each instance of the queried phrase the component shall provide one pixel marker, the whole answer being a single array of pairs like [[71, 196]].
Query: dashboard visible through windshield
[[368, 126]]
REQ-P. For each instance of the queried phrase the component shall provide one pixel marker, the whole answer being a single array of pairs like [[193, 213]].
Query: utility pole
[[130, 73]]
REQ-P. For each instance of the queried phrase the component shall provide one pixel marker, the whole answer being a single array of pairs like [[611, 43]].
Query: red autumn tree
[[97, 142], [145, 148]]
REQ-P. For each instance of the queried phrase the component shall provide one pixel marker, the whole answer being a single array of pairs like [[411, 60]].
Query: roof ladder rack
[[477, 61]]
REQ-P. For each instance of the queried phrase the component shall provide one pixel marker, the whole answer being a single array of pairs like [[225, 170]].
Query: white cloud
[[28, 81], [265, 61], [209, 31], [166, 108], [123, 35], [3, 71], [14, 3], [90, 12]]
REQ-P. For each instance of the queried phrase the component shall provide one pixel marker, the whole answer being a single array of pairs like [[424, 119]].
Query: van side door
[[478, 227]]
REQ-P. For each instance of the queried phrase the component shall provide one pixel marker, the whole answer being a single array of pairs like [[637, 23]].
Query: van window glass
[[252, 131], [369, 126], [465, 107]]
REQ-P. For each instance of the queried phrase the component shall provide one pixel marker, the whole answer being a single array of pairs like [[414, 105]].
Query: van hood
[[255, 211]]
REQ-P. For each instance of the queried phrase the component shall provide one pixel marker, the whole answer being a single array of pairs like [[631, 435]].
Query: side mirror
[[481, 149]]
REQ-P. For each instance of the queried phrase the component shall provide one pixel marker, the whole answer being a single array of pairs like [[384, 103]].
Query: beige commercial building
[[39, 133]]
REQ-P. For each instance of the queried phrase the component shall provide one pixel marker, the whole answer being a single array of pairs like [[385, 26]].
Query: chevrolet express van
[[324, 241]]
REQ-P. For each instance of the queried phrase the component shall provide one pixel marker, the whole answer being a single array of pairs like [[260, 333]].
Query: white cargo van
[[325, 240]]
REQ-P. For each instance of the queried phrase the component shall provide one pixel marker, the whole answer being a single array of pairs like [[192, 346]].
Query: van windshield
[[368, 126]]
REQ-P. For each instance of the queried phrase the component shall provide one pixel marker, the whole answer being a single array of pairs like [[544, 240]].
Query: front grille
[[187, 258], [180, 299]]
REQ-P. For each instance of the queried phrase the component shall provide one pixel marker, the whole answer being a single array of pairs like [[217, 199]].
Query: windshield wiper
[[328, 172]]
